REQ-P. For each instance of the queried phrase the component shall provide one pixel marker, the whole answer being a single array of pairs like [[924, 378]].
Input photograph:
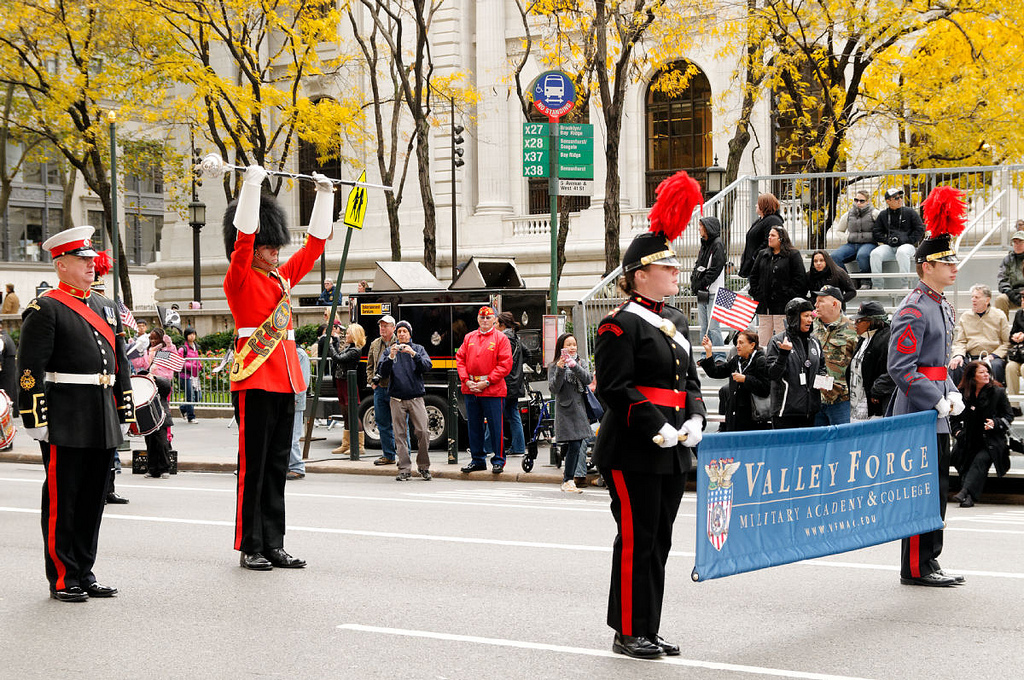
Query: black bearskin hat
[[273, 229]]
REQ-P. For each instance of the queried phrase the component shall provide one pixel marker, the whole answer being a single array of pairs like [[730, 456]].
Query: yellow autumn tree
[[70, 64], [245, 68]]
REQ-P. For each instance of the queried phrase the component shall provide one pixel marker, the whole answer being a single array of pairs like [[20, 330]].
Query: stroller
[[545, 430]]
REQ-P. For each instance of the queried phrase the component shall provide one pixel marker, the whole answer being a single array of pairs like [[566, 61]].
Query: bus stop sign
[[554, 95]]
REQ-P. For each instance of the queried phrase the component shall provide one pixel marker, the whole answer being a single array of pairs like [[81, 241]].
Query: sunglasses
[[860, 200]]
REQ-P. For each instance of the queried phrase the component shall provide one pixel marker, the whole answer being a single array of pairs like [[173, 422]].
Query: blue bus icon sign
[[554, 94]]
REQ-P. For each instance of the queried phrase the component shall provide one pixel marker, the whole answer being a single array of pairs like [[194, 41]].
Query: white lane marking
[[583, 651], [821, 561]]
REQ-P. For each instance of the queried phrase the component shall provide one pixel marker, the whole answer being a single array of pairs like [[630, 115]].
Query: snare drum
[[149, 407], [6, 420]]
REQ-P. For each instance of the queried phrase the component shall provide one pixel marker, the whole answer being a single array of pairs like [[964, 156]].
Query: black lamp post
[[715, 178], [196, 220]]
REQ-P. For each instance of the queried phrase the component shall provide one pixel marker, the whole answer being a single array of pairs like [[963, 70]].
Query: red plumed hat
[[945, 217], [102, 263], [945, 211], [677, 196]]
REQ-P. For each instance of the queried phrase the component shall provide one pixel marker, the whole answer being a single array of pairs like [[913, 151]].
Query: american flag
[[126, 317], [169, 360], [733, 309]]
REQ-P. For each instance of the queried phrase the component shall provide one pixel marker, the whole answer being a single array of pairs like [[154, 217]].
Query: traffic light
[[197, 158], [457, 150]]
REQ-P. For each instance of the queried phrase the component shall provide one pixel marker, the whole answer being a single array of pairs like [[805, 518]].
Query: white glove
[[694, 431], [247, 212], [667, 436], [320, 224], [943, 407], [40, 434], [124, 429], [956, 402]]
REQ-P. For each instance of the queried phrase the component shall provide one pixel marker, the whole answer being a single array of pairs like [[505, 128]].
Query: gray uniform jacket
[[566, 385], [919, 346]]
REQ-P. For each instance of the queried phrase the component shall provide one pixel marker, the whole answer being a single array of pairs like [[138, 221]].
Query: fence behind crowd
[[809, 206], [214, 386]]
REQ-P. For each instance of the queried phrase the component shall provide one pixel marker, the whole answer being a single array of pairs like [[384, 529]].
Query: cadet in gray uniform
[[919, 348]]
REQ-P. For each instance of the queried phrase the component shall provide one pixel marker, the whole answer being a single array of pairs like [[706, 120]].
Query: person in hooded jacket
[[757, 236], [707, 277], [748, 376], [793, 359], [778, 276], [868, 375]]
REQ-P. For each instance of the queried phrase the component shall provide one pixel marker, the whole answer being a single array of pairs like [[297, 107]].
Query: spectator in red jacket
[[483, 361]]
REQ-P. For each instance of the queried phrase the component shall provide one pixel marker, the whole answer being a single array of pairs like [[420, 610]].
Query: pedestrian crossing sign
[[355, 210]]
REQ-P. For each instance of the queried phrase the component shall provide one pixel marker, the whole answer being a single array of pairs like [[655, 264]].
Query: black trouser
[[977, 473], [920, 554], [644, 506], [790, 422], [73, 493], [265, 421], [158, 451]]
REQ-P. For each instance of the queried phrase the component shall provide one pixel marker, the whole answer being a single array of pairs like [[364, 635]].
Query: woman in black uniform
[[647, 378]]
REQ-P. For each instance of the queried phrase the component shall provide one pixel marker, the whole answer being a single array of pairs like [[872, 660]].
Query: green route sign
[[575, 150]]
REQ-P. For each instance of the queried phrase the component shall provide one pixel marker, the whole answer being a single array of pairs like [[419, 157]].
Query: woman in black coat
[[825, 272], [871, 386], [757, 235], [747, 375], [980, 431], [778, 276]]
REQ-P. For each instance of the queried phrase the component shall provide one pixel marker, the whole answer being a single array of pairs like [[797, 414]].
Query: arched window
[[309, 162], [678, 121]]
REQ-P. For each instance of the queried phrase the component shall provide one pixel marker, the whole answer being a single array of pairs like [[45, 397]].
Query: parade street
[[451, 579]]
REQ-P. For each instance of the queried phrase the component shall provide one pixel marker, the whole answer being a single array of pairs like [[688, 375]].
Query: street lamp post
[[196, 220], [715, 178]]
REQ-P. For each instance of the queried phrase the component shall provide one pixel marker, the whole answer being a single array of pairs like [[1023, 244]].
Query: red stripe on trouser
[[241, 469], [51, 523], [915, 556], [626, 566]]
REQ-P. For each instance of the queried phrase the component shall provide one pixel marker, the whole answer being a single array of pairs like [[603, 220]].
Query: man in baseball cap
[[483, 361], [838, 339]]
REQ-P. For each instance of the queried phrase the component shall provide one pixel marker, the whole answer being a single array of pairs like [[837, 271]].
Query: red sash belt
[[663, 397], [933, 372]]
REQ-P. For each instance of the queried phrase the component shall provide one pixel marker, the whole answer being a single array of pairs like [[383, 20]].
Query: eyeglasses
[[860, 200], [894, 198]]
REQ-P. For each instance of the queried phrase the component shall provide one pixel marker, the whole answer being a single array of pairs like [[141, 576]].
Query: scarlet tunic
[[252, 295], [485, 355]]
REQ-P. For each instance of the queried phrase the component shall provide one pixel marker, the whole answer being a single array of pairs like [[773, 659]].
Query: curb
[[340, 467]]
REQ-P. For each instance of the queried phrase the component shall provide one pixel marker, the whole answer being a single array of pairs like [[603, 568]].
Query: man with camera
[[381, 396], [897, 231], [404, 365]]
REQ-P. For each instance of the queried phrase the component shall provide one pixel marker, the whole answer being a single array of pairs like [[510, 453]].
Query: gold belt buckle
[[106, 380]]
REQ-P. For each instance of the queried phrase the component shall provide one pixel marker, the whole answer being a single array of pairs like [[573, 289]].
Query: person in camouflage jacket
[[838, 338]]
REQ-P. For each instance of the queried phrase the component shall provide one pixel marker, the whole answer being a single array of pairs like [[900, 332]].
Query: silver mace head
[[212, 165]]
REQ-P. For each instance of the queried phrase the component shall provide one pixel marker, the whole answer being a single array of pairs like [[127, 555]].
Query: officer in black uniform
[[75, 398], [655, 417]]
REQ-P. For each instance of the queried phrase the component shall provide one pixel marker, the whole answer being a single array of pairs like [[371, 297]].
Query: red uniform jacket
[[487, 355], [252, 295]]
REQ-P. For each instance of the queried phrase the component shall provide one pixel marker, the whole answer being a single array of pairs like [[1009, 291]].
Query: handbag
[[761, 408], [594, 409], [1016, 352]]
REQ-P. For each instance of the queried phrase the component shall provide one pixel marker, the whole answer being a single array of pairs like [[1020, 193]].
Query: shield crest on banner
[[719, 510]]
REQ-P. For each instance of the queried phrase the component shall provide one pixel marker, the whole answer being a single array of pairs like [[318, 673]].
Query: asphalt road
[[451, 579]]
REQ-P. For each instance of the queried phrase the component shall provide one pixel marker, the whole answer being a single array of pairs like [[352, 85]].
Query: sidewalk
[[212, 446]]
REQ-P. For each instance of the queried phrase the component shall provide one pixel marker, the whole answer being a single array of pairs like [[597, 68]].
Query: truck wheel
[[369, 422], [437, 421]]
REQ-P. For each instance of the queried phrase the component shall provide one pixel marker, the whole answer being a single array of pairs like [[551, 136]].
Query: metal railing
[[809, 206], [214, 386]]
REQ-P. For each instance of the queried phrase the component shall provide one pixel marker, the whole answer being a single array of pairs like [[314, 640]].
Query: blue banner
[[770, 498]]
